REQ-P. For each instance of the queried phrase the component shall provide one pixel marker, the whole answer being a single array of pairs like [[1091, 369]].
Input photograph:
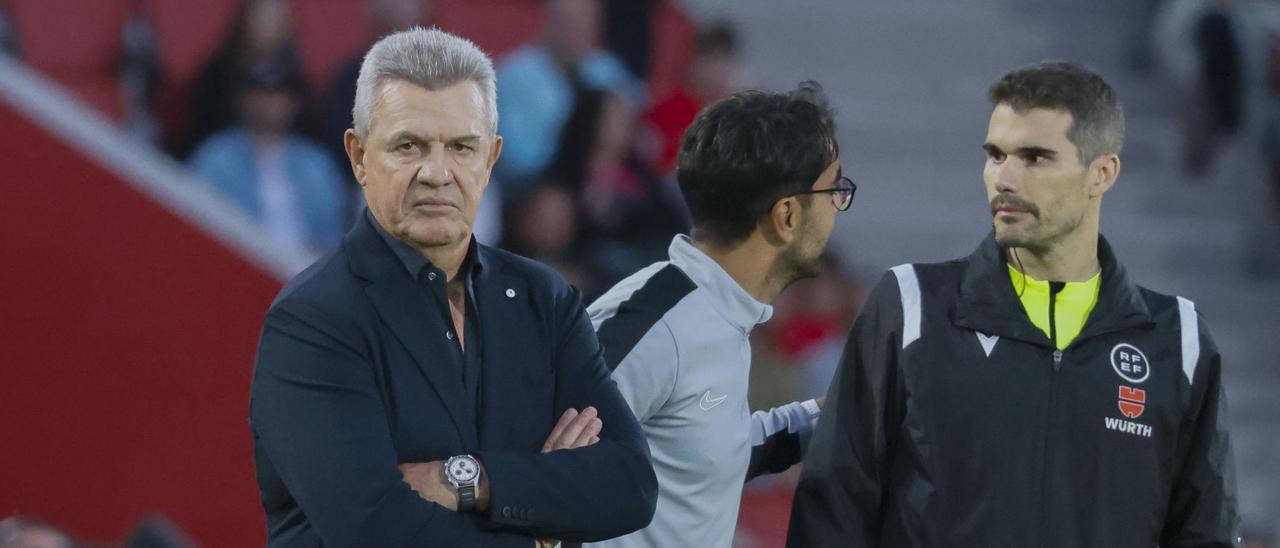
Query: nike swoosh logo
[[708, 402]]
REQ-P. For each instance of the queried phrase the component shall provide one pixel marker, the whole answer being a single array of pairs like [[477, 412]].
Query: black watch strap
[[466, 498]]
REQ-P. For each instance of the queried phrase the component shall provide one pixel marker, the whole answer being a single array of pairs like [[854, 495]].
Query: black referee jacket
[[954, 421]]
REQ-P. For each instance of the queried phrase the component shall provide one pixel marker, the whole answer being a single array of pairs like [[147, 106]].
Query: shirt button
[[431, 276], [448, 335]]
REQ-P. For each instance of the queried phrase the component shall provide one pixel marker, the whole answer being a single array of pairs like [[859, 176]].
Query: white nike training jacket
[[675, 337]]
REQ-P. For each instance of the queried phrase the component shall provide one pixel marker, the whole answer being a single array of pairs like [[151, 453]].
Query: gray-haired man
[[405, 384]]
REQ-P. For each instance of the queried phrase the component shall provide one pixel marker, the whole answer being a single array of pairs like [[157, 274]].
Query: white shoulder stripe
[[1190, 337], [909, 288]]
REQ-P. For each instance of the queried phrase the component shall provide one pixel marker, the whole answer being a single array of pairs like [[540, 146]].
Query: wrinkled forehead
[[451, 111]]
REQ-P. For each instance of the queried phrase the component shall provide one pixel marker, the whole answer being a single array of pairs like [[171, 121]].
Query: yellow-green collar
[[1071, 308]]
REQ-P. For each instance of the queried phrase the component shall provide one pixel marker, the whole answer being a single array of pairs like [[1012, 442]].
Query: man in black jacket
[[1030, 394]]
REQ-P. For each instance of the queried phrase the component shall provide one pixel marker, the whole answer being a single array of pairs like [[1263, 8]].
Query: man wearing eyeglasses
[[761, 175]]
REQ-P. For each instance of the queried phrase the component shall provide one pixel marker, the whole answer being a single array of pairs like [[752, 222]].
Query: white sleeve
[[646, 377], [780, 437]]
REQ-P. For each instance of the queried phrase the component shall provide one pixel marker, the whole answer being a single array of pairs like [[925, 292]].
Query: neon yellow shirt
[[1074, 303]]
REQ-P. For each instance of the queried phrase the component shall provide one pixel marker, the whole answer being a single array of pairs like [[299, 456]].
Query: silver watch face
[[462, 469]]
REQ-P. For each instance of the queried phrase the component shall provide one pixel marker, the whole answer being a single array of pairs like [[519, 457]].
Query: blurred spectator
[[158, 532], [286, 182], [152, 532], [8, 35], [1221, 67], [828, 307], [385, 17], [628, 213], [487, 228], [815, 310], [1140, 16], [139, 78], [537, 85], [261, 33], [1271, 146], [628, 26], [544, 227], [1264, 262], [1220, 89], [714, 73], [803, 342], [794, 356], [1214, 54], [19, 532]]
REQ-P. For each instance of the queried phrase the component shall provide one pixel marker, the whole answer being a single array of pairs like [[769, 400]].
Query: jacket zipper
[[1054, 289], [1047, 461]]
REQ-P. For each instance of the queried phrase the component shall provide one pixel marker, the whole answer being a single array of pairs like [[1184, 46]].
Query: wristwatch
[[463, 471]]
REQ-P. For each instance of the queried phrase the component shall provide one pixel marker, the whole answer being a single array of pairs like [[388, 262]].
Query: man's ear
[[780, 224], [355, 154], [494, 152], [1103, 173]]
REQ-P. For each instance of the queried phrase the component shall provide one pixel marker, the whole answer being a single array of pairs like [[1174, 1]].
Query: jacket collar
[[413, 261], [730, 300], [989, 304]]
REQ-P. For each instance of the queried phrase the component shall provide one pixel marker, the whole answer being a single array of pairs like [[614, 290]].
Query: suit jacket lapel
[[498, 297], [412, 319]]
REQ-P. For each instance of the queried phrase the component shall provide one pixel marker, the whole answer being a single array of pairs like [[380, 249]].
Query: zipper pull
[[1057, 360]]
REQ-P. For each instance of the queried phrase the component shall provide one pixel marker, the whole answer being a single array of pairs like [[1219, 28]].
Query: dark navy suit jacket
[[350, 380]]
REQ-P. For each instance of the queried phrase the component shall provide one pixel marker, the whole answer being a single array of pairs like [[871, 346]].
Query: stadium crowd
[[592, 106]]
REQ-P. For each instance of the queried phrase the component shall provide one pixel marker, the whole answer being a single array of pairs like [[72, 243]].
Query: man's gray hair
[[430, 58]]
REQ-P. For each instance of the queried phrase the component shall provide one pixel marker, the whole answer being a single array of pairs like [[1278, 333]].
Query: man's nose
[[1008, 176], [433, 170]]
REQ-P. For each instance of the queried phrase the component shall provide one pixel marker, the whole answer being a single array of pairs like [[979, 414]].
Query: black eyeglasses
[[841, 194]]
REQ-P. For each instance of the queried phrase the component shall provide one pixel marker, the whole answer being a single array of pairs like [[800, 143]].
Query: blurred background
[[168, 164]]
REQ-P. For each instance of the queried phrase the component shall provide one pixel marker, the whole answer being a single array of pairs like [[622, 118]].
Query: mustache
[[1009, 201]]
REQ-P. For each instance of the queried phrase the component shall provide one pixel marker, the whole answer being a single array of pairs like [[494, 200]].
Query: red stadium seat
[[187, 33], [497, 26], [76, 43], [330, 32]]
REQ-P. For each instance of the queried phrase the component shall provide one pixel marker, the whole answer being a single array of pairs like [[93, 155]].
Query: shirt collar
[[989, 303], [413, 261], [1025, 283], [729, 298]]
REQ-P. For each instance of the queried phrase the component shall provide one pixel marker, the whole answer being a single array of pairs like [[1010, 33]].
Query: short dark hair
[[1097, 118], [746, 151]]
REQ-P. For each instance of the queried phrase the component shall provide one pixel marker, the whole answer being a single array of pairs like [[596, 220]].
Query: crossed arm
[[321, 428], [573, 430]]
